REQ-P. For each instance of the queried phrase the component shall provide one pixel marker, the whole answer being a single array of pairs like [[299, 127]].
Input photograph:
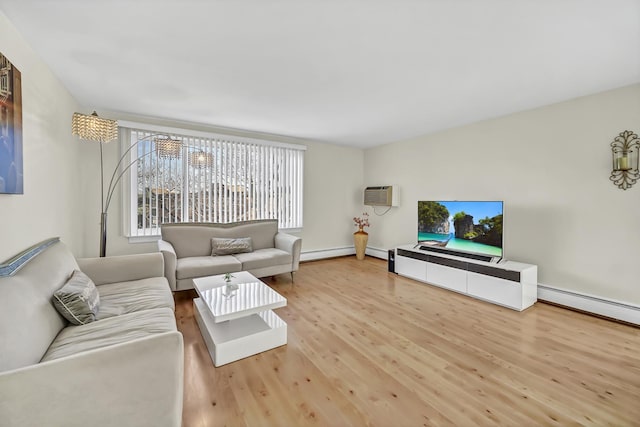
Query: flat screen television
[[473, 227]]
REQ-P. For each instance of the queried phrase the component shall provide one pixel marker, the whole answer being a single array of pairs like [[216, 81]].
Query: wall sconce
[[624, 150]]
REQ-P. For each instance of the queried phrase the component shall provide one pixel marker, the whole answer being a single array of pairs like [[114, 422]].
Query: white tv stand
[[507, 283]]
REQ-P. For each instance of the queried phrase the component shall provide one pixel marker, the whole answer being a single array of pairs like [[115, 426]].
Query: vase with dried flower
[[229, 288], [361, 237]]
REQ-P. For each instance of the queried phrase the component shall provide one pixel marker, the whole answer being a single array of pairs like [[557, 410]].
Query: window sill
[[290, 230], [143, 239]]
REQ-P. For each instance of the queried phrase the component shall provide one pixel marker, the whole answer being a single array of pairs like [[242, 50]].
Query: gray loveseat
[[124, 369], [187, 250]]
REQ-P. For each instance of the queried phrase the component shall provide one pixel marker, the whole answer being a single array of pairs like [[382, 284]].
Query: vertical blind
[[182, 178]]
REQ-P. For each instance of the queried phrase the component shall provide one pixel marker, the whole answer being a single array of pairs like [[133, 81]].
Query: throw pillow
[[230, 246], [78, 300]]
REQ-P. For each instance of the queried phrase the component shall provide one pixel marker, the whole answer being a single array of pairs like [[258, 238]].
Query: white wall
[[551, 167], [332, 195], [332, 182], [49, 204]]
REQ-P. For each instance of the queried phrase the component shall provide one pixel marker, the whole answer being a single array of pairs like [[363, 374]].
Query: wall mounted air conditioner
[[386, 195]]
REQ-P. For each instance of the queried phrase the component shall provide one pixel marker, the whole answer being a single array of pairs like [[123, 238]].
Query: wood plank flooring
[[370, 348]]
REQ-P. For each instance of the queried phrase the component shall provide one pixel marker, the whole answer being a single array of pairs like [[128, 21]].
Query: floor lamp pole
[[103, 214], [117, 175], [103, 234]]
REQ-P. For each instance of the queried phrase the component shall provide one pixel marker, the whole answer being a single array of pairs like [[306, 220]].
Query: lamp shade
[[200, 159], [94, 128], [168, 148]]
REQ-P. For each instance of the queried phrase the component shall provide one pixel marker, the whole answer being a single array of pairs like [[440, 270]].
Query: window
[[197, 177]]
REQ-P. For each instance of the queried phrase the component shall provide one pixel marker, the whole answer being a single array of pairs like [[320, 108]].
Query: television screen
[[466, 226]]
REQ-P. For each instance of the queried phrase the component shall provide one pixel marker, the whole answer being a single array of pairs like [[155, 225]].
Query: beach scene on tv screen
[[468, 226]]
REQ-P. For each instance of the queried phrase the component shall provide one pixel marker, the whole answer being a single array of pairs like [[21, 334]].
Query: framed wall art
[[11, 173]]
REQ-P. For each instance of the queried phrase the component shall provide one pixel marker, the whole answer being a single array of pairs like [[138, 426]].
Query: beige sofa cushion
[[115, 330], [136, 295], [264, 258], [122, 268], [194, 239], [200, 266]]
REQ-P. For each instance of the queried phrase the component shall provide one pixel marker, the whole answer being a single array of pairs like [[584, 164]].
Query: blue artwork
[[11, 175]]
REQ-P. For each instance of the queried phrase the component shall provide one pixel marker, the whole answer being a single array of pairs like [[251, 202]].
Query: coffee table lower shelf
[[239, 338]]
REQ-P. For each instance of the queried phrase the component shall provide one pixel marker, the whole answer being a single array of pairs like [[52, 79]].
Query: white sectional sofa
[[187, 250], [123, 369]]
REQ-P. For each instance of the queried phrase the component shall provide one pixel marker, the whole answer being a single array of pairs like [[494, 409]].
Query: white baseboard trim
[[377, 253], [326, 253], [336, 252], [615, 309]]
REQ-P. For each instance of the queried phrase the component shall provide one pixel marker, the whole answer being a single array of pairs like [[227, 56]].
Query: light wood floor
[[370, 348]]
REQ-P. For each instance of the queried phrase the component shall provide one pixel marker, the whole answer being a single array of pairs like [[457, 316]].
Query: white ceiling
[[360, 72]]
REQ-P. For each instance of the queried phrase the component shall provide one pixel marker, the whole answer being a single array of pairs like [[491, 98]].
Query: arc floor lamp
[[94, 128]]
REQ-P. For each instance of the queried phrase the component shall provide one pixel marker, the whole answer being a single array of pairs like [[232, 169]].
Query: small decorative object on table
[[229, 288], [361, 237]]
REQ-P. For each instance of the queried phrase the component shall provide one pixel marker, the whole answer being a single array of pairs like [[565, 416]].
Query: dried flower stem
[[362, 221]]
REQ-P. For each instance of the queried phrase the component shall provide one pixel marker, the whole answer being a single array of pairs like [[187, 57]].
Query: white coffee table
[[237, 323]]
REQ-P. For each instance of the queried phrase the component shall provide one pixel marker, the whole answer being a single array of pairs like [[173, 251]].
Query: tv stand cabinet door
[[493, 289], [447, 277], [412, 268]]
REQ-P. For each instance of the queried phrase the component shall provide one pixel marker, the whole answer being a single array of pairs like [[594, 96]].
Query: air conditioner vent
[[381, 196]]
